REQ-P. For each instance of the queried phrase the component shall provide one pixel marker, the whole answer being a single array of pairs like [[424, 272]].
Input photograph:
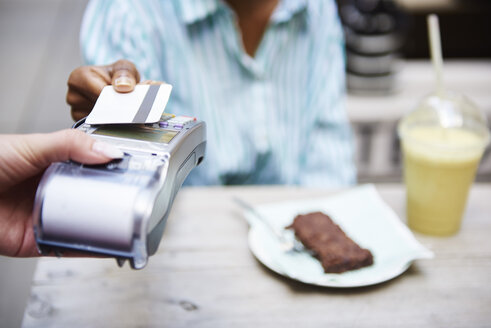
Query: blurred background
[[388, 72]]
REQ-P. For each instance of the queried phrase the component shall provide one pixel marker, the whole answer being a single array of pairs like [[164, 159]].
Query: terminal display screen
[[137, 132]]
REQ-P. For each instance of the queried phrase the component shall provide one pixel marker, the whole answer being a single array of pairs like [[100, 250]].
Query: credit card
[[145, 104]]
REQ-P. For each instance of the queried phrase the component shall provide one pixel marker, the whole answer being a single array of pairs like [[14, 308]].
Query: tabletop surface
[[204, 275]]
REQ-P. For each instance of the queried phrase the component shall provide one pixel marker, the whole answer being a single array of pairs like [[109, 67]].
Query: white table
[[204, 275]]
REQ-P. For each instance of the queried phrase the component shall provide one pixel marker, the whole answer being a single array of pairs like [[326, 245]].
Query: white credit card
[[145, 104]]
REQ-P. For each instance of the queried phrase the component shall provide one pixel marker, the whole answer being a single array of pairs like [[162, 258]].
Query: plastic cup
[[443, 140]]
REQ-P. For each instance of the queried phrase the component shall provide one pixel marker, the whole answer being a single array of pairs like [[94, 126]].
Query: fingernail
[[123, 81], [107, 150]]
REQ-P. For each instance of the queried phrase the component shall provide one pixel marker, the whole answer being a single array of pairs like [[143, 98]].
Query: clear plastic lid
[[447, 110]]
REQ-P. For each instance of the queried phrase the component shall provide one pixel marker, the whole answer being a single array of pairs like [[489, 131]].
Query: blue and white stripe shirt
[[275, 118]]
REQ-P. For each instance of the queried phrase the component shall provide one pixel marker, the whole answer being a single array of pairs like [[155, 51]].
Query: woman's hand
[[23, 159], [86, 83]]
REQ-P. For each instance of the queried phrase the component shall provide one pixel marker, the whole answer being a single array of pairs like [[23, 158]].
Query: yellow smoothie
[[439, 167]]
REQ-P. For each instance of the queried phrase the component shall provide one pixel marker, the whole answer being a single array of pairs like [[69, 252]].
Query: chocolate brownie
[[334, 249]]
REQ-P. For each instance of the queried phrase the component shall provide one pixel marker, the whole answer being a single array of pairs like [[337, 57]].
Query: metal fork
[[287, 244]]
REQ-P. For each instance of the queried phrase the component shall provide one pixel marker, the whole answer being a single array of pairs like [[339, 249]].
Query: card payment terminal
[[118, 209]]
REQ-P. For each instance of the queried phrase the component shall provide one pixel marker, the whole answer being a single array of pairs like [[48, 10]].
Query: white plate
[[365, 218]]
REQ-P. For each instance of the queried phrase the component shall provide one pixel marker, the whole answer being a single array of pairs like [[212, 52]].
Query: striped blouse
[[275, 118]]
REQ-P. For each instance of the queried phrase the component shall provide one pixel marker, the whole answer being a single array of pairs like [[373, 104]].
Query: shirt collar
[[287, 9], [193, 11]]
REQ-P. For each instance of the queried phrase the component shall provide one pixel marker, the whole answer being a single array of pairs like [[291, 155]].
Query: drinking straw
[[436, 50]]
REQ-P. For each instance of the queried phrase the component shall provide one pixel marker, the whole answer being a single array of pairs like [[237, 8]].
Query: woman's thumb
[[124, 76]]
